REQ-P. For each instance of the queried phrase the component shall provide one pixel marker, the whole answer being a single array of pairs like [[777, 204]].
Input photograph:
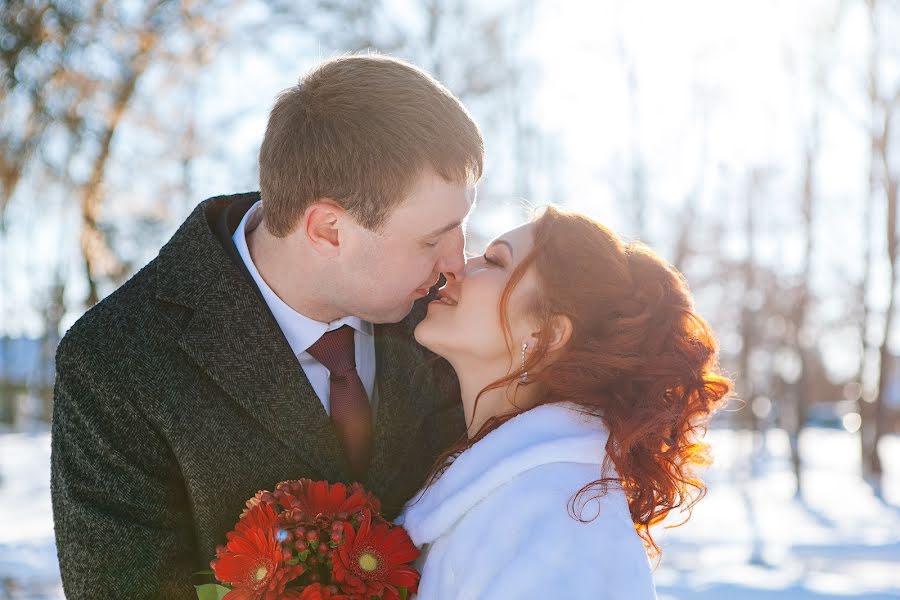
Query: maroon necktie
[[351, 413]]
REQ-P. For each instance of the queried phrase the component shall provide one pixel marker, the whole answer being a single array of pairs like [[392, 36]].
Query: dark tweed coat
[[177, 398]]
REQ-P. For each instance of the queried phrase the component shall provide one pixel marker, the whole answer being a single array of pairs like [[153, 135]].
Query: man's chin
[[399, 313], [395, 315]]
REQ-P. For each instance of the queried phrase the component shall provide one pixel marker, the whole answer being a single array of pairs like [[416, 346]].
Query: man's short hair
[[360, 130]]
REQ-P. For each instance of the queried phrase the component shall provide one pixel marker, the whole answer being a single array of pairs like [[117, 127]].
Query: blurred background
[[754, 143]]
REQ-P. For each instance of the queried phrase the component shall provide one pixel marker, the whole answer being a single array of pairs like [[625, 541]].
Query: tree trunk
[[748, 313], [880, 417], [98, 256], [866, 428], [882, 109], [801, 307]]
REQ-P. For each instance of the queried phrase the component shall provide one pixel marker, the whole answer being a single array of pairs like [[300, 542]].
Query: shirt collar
[[301, 331]]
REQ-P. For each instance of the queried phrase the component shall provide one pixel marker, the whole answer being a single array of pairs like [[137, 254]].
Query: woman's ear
[[559, 331]]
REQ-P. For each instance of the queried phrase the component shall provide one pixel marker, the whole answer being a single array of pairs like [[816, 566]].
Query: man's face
[[385, 272]]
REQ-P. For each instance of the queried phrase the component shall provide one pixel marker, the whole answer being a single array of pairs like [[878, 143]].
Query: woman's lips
[[444, 298], [443, 301]]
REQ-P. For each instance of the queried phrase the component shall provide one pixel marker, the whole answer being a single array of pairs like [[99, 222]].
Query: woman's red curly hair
[[639, 357]]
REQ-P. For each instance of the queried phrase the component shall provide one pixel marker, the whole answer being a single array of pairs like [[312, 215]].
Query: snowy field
[[748, 539]]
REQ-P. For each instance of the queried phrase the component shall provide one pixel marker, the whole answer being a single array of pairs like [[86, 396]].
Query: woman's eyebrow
[[505, 243]]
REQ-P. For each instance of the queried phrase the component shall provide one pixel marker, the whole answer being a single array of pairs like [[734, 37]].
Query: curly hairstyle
[[639, 357]]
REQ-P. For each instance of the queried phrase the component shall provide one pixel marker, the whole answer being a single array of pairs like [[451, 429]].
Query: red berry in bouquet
[[317, 591]]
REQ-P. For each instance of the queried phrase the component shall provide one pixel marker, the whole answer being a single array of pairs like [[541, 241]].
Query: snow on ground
[[748, 539], [28, 567]]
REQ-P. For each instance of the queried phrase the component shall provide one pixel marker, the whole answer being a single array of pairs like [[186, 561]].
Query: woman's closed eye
[[492, 260]]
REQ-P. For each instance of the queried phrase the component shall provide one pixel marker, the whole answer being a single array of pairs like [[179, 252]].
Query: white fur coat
[[497, 523]]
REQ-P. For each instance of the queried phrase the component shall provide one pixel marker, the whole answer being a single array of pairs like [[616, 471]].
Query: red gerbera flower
[[322, 498], [372, 501], [372, 561], [260, 497], [252, 559], [261, 516], [315, 591]]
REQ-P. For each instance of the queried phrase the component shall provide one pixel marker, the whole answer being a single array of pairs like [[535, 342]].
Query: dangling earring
[[523, 374]]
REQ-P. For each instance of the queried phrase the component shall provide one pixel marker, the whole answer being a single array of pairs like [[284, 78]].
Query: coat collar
[[232, 336], [300, 331], [543, 435]]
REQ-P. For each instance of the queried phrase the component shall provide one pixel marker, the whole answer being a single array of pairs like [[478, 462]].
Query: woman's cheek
[[482, 314]]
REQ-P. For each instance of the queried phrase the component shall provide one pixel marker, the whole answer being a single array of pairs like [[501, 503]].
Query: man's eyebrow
[[443, 230], [505, 243]]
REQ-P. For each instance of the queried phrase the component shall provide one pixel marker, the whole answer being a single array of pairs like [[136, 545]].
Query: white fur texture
[[497, 523]]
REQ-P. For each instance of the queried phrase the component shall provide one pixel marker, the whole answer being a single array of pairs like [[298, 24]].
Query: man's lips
[[422, 292]]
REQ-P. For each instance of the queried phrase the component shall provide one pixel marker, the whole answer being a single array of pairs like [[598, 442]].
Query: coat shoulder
[[114, 323], [137, 310]]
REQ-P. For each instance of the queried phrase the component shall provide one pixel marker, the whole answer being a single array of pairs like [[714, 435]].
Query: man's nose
[[453, 263]]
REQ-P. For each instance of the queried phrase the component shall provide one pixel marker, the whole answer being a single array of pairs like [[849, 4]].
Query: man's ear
[[321, 226], [559, 332]]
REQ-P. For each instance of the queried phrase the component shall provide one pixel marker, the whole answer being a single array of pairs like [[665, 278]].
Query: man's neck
[[286, 279]]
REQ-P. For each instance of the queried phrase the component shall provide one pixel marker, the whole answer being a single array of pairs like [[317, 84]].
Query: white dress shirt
[[302, 332]]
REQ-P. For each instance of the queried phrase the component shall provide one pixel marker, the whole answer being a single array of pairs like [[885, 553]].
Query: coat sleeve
[[120, 516]]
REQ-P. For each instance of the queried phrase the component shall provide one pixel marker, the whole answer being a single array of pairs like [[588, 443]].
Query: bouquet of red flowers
[[311, 539]]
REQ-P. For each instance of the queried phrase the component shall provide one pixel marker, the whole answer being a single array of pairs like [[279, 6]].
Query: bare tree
[[32, 32], [102, 59], [813, 71], [98, 256], [884, 104], [802, 337], [94, 60], [636, 169], [748, 384]]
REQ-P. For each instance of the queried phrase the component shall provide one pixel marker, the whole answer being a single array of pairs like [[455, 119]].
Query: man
[[271, 338]]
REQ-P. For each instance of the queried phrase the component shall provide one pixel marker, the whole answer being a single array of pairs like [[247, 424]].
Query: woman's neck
[[473, 378]]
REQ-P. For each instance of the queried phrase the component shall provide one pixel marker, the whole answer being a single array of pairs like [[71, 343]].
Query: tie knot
[[335, 350]]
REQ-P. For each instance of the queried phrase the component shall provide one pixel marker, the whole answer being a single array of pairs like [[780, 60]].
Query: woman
[[586, 380]]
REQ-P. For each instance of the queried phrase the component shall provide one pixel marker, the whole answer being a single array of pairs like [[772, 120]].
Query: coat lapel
[[244, 352], [402, 399], [233, 338]]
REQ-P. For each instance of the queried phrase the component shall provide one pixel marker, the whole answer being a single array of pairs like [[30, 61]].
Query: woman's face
[[466, 324]]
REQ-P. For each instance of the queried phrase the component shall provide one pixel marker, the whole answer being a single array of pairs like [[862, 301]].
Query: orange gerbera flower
[[315, 591], [261, 516], [373, 561], [252, 559], [323, 498]]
